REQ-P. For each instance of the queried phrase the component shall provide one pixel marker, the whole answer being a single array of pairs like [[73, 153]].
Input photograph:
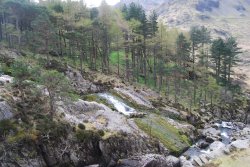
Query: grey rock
[[217, 149], [173, 161], [211, 132], [240, 144], [209, 139], [82, 85], [203, 144], [204, 159], [5, 111], [227, 151], [4, 79], [8, 54], [148, 160], [185, 163], [197, 160]]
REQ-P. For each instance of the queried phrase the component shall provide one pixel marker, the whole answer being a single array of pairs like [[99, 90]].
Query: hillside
[[222, 17], [108, 87]]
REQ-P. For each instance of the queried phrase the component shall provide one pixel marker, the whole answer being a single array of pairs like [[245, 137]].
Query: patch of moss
[[45, 125], [7, 126], [87, 135], [22, 135], [159, 128]]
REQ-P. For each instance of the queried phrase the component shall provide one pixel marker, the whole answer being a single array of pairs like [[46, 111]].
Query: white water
[[226, 130], [119, 105]]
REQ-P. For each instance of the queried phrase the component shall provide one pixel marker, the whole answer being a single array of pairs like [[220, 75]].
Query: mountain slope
[[223, 17]]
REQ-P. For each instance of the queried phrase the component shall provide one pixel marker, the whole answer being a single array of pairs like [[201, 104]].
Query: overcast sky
[[95, 3]]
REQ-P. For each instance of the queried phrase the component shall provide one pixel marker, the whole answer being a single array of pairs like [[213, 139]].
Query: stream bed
[[202, 150]]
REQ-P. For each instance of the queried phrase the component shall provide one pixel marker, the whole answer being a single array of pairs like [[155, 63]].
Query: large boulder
[[5, 111], [240, 144], [185, 163], [211, 134], [216, 149]]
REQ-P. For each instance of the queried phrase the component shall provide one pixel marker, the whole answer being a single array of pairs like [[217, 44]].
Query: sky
[[95, 3]]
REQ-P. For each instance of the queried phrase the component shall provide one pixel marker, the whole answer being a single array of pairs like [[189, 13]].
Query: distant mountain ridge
[[223, 17]]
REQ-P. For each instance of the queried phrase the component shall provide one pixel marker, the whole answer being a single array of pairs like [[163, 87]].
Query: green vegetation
[[180, 65], [157, 127], [88, 135]]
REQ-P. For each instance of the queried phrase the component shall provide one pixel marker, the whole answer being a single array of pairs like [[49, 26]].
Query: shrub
[[87, 135], [6, 126], [101, 132], [81, 126]]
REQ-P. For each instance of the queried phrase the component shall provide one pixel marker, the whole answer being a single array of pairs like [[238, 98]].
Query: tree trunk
[[126, 55], [81, 61], [155, 77]]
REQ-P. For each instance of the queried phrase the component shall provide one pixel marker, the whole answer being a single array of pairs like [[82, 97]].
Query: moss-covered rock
[[158, 127]]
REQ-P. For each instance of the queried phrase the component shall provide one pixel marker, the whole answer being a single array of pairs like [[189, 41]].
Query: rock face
[[5, 111], [97, 115], [149, 160], [70, 152], [134, 97], [82, 85]]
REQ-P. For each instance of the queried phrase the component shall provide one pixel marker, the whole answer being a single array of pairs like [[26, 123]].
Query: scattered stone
[[227, 151], [4, 79], [209, 139], [5, 111], [203, 144], [203, 159], [197, 160]]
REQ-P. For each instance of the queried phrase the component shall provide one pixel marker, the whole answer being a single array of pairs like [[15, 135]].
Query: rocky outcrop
[[149, 160], [68, 151], [97, 115], [134, 97], [8, 54], [81, 85]]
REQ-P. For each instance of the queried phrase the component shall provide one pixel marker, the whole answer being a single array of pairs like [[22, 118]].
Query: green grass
[[114, 58], [159, 128]]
